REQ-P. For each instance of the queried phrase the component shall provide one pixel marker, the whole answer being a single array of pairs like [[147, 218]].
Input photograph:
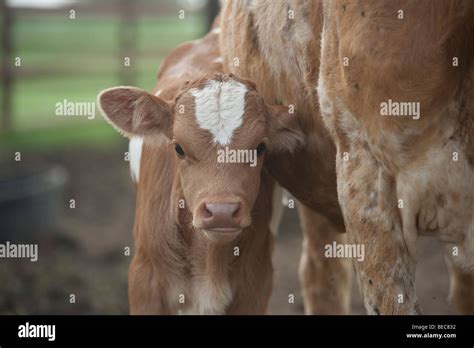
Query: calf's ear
[[135, 112], [285, 132]]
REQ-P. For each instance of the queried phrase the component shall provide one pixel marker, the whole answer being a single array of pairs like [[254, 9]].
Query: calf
[[203, 243]]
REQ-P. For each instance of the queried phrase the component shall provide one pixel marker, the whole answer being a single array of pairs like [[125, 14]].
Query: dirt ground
[[84, 256]]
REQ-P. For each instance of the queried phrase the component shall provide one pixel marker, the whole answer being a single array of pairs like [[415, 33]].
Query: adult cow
[[398, 176], [277, 44]]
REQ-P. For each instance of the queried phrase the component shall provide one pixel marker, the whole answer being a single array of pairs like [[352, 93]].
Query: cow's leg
[[461, 288], [325, 282], [375, 222], [277, 208]]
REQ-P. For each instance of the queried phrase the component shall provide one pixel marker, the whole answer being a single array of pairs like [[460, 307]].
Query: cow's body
[[397, 176], [202, 236], [281, 55], [406, 175]]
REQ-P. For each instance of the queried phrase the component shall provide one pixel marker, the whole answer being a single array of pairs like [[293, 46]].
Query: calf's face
[[221, 130]]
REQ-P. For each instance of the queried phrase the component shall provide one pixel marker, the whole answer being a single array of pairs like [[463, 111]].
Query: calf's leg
[[252, 282], [146, 295]]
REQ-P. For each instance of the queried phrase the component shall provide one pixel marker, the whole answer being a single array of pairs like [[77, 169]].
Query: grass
[[75, 59], [45, 41], [99, 135]]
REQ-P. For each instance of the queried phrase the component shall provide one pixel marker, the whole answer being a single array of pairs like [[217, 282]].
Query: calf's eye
[[260, 149], [179, 151]]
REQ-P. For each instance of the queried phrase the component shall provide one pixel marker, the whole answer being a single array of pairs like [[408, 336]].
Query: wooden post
[[7, 71], [127, 42]]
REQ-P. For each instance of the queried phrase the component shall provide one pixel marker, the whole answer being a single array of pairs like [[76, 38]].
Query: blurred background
[[64, 180]]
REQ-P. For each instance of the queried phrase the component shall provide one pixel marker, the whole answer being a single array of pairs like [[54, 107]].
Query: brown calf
[[203, 243]]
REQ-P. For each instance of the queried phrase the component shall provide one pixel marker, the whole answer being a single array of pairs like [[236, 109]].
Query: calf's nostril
[[207, 213], [236, 212]]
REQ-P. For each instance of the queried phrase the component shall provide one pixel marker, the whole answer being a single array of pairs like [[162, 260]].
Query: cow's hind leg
[[325, 282], [461, 288]]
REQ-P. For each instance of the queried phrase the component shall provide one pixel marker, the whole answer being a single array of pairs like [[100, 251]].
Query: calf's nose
[[220, 215]]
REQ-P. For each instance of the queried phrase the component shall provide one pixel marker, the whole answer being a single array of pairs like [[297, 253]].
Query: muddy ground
[[84, 255]]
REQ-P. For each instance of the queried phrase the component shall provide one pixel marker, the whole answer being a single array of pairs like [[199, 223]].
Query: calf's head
[[221, 130]]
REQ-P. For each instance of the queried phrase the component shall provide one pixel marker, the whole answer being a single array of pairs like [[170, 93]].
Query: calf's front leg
[[146, 294], [252, 280]]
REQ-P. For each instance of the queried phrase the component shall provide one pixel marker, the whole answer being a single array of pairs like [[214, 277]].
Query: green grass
[[74, 60], [100, 135], [52, 41]]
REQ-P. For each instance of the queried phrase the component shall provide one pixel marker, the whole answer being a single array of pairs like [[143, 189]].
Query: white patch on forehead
[[219, 108], [135, 154]]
